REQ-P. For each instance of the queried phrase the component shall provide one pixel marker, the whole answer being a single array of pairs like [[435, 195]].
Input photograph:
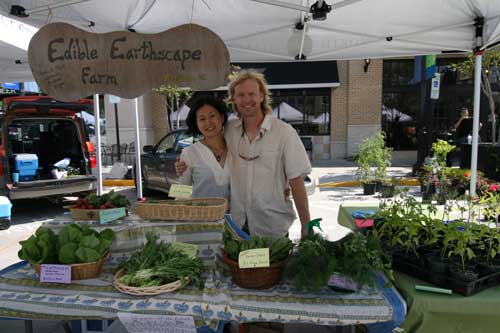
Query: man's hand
[[303, 232], [180, 166]]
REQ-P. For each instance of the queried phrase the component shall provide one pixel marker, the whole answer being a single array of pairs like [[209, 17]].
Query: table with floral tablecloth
[[23, 296]]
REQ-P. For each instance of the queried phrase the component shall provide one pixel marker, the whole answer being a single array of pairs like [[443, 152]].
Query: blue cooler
[[26, 165], [5, 207]]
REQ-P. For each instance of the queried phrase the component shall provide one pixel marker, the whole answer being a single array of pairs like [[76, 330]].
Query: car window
[[167, 144], [184, 140]]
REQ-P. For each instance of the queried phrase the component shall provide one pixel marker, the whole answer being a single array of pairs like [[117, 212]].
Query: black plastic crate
[[4, 223], [446, 281]]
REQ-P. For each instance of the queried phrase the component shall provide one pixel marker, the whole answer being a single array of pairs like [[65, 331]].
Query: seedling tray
[[445, 280]]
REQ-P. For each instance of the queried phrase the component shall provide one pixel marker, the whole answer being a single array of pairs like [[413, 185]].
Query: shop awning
[[293, 75]]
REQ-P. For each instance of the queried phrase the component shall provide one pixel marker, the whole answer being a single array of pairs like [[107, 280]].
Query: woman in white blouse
[[207, 160]]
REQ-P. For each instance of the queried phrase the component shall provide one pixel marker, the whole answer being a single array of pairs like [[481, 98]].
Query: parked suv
[[53, 131], [158, 162]]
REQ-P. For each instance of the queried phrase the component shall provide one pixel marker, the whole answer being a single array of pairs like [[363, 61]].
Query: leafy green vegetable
[[30, 250], [279, 249], [85, 254], [312, 265], [107, 234], [159, 263], [356, 256], [67, 253], [90, 242], [73, 244]]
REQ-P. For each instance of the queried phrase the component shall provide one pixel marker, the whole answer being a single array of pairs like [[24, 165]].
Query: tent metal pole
[[138, 171], [304, 31], [475, 122], [97, 127]]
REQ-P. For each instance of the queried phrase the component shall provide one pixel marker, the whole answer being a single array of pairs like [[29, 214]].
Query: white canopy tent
[[266, 30], [393, 114], [287, 113]]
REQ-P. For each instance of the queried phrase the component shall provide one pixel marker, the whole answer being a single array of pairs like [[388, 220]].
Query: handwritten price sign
[[55, 273], [254, 258], [180, 191]]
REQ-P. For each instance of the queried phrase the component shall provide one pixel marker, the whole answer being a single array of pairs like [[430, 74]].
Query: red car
[[53, 131]]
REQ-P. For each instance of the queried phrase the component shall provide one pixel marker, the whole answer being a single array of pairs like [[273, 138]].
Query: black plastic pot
[[469, 274], [387, 191], [369, 188], [486, 268], [438, 265], [4, 224], [428, 192]]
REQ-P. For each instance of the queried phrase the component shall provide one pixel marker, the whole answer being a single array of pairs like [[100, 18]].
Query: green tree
[[489, 72], [174, 97]]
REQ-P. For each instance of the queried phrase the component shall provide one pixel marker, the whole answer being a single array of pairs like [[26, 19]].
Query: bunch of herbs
[[158, 263]]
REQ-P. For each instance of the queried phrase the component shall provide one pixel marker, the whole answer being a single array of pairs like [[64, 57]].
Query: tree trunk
[[178, 113]]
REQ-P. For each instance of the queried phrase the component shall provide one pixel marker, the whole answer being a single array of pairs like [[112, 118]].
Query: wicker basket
[[181, 211], [146, 291], [84, 214], [255, 278], [84, 271], [87, 214]]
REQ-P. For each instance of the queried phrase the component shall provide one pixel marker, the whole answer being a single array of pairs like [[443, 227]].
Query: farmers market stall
[[23, 296]]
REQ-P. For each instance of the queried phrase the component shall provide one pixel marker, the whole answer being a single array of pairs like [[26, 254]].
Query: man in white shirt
[[268, 155]]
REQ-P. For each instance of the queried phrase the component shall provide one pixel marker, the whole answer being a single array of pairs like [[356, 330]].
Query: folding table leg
[[28, 326]]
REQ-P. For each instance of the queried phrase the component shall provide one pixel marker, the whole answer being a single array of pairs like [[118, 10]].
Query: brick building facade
[[355, 113]]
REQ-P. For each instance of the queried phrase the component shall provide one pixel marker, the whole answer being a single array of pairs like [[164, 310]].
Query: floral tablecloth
[[23, 296]]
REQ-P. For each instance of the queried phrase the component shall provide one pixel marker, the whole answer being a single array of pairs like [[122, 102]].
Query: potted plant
[[437, 171], [487, 257], [373, 159], [388, 187], [490, 203], [459, 244]]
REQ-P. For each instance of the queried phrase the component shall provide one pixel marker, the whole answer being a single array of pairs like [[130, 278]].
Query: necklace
[[219, 153]]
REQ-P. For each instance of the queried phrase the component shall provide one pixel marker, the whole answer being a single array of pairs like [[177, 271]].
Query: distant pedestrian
[[464, 126]]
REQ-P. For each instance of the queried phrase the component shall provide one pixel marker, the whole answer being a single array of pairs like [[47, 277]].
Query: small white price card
[[180, 191], [189, 249], [142, 323], [254, 258], [55, 273]]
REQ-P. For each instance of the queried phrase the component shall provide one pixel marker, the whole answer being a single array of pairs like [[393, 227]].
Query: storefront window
[[399, 111], [307, 110]]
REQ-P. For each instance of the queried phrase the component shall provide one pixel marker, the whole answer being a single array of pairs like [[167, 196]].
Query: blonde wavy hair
[[244, 75]]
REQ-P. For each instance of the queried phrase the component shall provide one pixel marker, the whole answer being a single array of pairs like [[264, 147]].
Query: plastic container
[[5, 207], [26, 165], [444, 280]]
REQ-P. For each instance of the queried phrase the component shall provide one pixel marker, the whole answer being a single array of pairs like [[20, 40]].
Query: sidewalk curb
[[118, 182], [354, 183]]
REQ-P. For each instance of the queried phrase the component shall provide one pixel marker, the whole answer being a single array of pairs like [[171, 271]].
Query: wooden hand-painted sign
[[69, 63]]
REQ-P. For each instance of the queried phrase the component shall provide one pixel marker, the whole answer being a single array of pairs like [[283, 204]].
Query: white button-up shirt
[[258, 185], [208, 177]]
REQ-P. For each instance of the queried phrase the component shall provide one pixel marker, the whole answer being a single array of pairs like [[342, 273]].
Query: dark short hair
[[198, 104]]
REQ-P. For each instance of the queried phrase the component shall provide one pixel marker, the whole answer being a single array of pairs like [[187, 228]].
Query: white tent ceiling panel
[[259, 32]]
